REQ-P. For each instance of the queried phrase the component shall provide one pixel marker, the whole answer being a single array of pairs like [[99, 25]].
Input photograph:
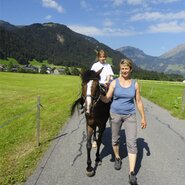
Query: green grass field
[[169, 95], [19, 152]]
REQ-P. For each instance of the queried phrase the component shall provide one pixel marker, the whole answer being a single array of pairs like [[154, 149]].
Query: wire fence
[[38, 106], [183, 100]]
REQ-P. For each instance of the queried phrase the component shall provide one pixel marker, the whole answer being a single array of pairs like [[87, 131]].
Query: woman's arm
[[108, 79], [140, 106], [108, 96]]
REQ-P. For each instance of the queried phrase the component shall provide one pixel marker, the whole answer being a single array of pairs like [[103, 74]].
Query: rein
[[95, 98]]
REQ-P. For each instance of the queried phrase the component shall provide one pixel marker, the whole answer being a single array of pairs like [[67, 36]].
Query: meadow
[[18, 112], [169, 95], [19, 152]]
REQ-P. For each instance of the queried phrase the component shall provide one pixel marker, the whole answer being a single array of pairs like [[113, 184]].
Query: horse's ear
[[99, 71]]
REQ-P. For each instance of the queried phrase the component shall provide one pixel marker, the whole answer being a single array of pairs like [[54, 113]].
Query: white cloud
[[106, 31], [117, 2], [86, 30], [107, 23], [83, 4], [86, 6], [170, 27], [48, 17], [148, 16], [135, 2], [146, 3], [119, 32], [53, 4], [165, 1], [112, 13]]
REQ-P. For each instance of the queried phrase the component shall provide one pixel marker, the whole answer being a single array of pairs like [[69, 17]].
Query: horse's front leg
[[99, 141], [94, 144], [89, 170]]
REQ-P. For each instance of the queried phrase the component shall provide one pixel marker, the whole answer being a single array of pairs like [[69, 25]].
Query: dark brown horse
[[96, 113]]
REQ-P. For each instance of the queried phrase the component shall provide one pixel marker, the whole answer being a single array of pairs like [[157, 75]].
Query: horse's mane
[[89, 75]]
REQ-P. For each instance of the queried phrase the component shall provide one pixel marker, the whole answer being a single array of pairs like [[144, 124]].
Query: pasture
[[18, 97], [169, 95]]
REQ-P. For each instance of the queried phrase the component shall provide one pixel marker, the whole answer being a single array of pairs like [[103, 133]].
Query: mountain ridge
[[53, 42], [175, 51], [171, 62], [59, 45]]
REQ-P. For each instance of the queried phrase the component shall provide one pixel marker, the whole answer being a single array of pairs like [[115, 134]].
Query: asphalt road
[[161, 154]]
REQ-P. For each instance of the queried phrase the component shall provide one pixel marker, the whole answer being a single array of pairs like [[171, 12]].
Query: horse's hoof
[[90, 173]]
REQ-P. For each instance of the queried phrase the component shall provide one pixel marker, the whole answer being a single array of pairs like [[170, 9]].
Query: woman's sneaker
[[132, 178], [117, 164]]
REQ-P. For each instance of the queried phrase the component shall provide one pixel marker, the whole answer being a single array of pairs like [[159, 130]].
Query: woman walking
[[124, 93]]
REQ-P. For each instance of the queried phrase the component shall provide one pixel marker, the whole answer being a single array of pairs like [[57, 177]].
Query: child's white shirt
[[107, 70]]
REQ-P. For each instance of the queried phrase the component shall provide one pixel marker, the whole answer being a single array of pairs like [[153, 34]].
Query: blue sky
[[154, 26]]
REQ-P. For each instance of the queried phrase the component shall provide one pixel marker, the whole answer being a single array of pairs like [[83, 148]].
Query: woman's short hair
[[126, 61]]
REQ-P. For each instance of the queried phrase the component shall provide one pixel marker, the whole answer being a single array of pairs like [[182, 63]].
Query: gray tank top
[[123, 99]]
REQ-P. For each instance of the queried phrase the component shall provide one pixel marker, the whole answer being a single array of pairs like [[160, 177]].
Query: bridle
[[95, 98]]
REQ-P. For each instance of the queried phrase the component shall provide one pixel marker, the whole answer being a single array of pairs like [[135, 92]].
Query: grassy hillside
[[12, 60], [32, 62], [18, 97]]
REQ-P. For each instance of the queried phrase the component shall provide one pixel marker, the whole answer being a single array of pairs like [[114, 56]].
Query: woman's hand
[[143, 123]]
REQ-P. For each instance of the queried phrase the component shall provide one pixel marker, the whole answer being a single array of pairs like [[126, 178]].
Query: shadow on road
[[141, 145], [107, 149]]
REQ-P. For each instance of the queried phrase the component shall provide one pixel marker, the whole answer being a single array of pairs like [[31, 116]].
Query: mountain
[[171, 62], [59, 45], [175, 52], [53, 42], [7, 25]]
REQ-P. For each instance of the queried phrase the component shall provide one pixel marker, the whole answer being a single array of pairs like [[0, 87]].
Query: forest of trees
[[61, 46]]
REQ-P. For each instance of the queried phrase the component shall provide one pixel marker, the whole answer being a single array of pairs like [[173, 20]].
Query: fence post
[[38, 120], [183, 100]]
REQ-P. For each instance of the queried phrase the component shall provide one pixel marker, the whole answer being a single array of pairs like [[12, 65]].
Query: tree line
[[61, 46]]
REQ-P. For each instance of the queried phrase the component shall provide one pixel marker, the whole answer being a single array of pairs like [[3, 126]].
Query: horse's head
[[91, 89]]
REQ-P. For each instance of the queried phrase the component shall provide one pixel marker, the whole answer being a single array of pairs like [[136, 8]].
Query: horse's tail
[[78, 101]]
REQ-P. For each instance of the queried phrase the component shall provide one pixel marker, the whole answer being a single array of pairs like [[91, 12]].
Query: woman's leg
[[132, 162], [115, 122], [131, 136], [116, 151]]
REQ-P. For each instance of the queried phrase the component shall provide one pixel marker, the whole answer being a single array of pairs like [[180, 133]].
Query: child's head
[[101, 56]]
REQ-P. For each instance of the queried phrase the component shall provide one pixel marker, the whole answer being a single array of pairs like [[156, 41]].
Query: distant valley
[[171, 62]]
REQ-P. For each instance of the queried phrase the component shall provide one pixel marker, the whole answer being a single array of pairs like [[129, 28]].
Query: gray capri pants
[[130, 125]]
